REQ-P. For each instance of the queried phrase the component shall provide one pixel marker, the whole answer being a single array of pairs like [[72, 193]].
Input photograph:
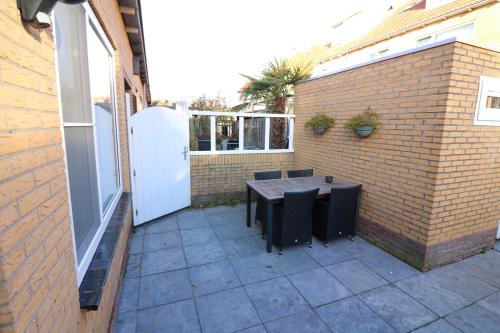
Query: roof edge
[[413, 27], [403, 53]]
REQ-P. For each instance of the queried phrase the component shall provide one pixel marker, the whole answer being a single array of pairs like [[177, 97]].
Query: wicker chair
[[261, 210], [300, 173], [292, 224], [337, 216]]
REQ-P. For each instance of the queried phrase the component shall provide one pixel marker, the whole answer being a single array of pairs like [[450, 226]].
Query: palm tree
[[274, 87], [275, 84]]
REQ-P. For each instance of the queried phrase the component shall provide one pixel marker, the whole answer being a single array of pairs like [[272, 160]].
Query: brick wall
[[417, 157], [38, 287], [222, 177]]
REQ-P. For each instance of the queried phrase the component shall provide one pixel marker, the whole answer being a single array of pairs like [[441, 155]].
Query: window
[[488, 102], [379, 54], [86, 87], [239, 132], [255, 138]]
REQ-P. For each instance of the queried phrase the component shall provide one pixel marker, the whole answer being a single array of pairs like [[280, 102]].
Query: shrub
[[320, 120], [367, 118]]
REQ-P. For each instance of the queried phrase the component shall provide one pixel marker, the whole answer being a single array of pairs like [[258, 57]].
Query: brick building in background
[[60, 262]]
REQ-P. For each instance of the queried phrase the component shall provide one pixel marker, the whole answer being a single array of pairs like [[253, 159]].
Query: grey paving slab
[[426, 291], [210, 278], [255, 329], [389, 267], [474, 319], [135, 245], [301, 322], [227, 217], [241, 247], [162, 261], [231, 231], [162, 224], [161, 241], [191, 219], [138, 230], [350, 315], [358, 247], [175, 317], [459, 280], [295, 260], [398, 309], [256, 268], [438, 326], [491, 303], [201, 254], [328, 255], [319, 287], [126, 322], [198, 236], [226, 311], [133, 267], [163, 288], [484, 266], [224, 209], [276, 298], [356, 276], [129, 295]]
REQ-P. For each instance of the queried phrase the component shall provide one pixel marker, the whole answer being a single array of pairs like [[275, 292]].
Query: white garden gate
[[159, 159]]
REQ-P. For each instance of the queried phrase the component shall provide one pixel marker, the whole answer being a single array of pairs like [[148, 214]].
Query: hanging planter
[[320, 123], [363, 124]]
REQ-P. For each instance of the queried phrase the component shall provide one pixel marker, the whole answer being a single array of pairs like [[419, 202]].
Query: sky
[[197, 47]]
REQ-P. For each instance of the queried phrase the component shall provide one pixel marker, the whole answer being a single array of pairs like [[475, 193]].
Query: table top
[[274, 189]]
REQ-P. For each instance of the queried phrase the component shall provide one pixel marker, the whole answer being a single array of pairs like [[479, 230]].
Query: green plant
[[320, 120], [367, 118]]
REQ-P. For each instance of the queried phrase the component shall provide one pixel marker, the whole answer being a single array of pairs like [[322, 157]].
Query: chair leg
[[351, 238], [281, 251], [310, 244], [325, 244]]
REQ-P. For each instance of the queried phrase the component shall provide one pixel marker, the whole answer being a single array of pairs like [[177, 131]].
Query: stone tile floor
[[205, 271]]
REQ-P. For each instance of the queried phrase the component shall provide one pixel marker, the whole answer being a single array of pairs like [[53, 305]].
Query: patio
[[204, 270]]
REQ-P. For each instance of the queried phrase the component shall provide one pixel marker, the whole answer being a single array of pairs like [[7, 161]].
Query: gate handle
[[185, 152]]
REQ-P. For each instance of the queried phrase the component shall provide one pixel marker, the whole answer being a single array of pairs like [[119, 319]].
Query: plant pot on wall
[[364, 131], [319, 130], [363, 124], [320, 123]]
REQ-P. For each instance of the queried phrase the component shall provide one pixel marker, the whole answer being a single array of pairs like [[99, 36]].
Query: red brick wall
[[405, 165]]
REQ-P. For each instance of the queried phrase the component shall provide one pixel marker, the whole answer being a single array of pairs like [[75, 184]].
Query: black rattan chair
[[337, 216], [260, 210], [300, 173], [292, 224]]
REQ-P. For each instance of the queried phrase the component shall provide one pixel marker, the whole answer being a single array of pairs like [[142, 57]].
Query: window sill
[[94, 280]]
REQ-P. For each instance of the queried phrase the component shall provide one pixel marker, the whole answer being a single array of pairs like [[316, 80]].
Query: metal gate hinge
[[132, 130], [136, 212], [134, 172]]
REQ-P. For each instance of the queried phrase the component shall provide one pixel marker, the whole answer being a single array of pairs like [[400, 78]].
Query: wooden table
[[273, 191]]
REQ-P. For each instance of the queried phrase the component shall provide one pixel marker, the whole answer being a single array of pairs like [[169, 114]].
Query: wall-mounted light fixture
[[37, 12]]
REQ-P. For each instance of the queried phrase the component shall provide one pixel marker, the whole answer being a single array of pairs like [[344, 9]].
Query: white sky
[[197, 47]]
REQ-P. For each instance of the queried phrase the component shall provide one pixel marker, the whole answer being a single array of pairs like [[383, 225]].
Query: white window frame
[[92, 23], [488, 86], [240, 116]]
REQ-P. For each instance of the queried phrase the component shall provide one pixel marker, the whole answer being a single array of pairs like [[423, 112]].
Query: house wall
[[38, 285], [411, 168], [220, 177]]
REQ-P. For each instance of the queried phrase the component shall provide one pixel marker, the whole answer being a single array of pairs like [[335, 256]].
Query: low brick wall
[[222, 177], [431, 182]]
